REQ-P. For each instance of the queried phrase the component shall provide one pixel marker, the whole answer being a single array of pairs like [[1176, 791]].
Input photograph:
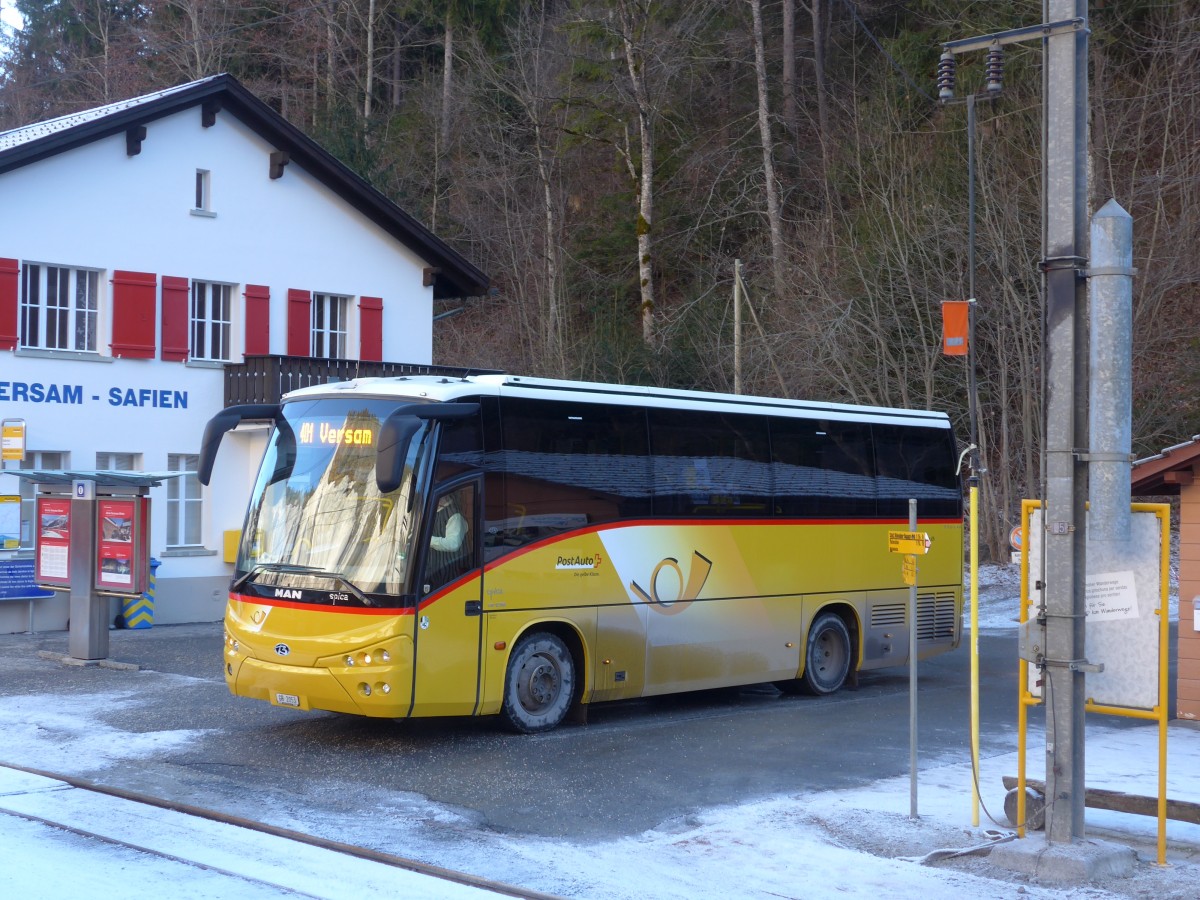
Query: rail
[[265, 379]]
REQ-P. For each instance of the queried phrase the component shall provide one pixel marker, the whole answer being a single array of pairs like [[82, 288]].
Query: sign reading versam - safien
[[81, 395]]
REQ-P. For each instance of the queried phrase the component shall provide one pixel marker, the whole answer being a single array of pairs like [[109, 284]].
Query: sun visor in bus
[[226, 420], [398, 429]]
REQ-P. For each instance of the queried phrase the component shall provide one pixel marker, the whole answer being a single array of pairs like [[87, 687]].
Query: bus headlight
[[368, 657]]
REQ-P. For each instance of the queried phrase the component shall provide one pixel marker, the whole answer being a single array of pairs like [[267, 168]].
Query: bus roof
[[440, 388]]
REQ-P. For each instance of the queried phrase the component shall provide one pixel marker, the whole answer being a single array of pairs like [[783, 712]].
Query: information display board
[[53, 544], [122, 540], [10, 521], [1125, 603]]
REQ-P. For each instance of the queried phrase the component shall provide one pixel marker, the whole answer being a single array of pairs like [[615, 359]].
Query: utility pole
[[1065, 244], [1064, 36], [737, 326]]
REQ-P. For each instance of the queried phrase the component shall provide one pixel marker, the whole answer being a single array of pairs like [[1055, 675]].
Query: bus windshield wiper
[[295, 569], [237, 585]]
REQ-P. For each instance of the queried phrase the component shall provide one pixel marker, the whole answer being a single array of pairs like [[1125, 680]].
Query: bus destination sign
[[331, 435]]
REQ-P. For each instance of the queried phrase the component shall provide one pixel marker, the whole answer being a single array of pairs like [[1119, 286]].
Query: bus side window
[[917, 463], [568, 465], [822, 468], [460, 448], [452, 545], [710, 464]]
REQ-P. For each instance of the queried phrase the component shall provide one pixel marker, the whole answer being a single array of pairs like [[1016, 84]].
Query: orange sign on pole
[[956, 317]]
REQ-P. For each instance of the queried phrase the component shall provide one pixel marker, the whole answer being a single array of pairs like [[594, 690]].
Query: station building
[[165, 256]]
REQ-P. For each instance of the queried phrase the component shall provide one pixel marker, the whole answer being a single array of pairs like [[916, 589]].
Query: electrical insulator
[[945, 76], [995, 69]]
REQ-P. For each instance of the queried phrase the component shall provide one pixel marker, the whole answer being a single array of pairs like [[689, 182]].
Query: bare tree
[[770, 186]]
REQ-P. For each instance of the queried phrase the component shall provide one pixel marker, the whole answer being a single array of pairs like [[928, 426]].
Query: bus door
[[448, 632]]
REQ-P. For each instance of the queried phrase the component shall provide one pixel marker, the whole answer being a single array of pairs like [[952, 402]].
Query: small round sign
[[1014, 537]]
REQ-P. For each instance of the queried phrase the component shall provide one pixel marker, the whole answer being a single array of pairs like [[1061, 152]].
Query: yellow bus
[[520, 547]]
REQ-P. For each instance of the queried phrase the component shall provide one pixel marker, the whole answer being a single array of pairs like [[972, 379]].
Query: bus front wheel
[[539, 684], [827, 660]]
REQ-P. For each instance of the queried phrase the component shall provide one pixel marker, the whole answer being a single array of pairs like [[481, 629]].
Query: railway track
[[270, 856]]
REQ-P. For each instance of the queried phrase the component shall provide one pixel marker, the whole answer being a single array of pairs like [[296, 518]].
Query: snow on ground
[[854, 843]]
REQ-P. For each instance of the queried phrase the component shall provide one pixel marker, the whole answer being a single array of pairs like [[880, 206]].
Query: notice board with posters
[[53, 541], [122, 543]]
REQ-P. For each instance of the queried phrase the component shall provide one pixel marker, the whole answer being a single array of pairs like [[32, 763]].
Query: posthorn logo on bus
[[687, 588], [282, 649]]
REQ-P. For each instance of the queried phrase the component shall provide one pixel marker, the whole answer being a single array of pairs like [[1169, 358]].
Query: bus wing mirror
[[398, 430], [391, 451], [285, 451], [226, 420]]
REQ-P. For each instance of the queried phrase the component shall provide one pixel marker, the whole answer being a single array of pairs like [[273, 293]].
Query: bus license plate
[[287, 700]]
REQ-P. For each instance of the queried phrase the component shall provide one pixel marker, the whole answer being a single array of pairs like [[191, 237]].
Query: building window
[[210, 320], [329, 326], [183, 501], [37, 459], [118, 462], [60, 308], [203, 190]]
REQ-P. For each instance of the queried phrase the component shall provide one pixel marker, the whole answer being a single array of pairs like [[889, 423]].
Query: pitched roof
[[1164, 472], [453, 275]]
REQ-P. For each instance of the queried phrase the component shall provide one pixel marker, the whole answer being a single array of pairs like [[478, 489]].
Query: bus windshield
[[318, 525]]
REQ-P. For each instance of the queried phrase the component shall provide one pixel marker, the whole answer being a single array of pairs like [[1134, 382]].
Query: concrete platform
[[1079, 862], [101, 663]]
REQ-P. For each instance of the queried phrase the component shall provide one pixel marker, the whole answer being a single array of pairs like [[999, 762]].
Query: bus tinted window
[[460, 448], [916, 463], [568, 465], [710, 464], [823, 469]]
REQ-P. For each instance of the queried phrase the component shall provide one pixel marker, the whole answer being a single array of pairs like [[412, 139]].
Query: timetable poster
[[53, 541], [115, 559]]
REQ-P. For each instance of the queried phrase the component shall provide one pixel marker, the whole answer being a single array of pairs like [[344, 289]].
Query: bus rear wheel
[[539, 684], [827, 659]]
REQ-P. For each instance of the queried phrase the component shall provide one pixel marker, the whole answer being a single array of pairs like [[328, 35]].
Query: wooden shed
[[1173, 472]]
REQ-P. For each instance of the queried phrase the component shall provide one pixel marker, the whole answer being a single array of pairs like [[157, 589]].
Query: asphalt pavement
[[635, 765]]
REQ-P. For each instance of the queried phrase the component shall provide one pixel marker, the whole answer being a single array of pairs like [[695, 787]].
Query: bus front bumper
[[358, 691]]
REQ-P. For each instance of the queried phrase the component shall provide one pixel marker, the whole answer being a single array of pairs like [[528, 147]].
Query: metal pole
[[737, 326], [973, 438], [912, 677], [1065, 244], [88, 635], [1111, 282]]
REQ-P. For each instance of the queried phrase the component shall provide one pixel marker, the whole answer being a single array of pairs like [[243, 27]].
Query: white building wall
[[96, 207]]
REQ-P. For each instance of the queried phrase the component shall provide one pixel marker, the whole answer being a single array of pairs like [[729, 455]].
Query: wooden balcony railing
[[265, 379]]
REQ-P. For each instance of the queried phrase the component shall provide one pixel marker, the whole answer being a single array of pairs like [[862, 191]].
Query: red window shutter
[[299, 342], [175, 319], [134, 321], [9, 269], [258, 320], [370, 328]]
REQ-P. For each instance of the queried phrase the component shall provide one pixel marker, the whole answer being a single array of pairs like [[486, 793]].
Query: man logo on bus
[[688, 588]]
